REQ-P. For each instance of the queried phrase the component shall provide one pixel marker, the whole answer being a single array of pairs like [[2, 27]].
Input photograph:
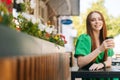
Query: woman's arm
[[108, 62], [97, 66], [84, 60]]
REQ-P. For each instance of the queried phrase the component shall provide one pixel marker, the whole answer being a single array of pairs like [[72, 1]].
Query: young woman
[[93, 51]]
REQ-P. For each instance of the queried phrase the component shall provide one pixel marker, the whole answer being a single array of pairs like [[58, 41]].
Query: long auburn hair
[[102, 35]]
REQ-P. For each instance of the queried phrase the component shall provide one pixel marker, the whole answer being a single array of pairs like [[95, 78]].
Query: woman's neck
[[96, 34]]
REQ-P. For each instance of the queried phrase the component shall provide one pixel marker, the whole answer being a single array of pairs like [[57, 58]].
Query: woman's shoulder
[[84, 36]]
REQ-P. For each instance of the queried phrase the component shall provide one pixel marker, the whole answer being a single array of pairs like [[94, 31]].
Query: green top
[[83, 48]]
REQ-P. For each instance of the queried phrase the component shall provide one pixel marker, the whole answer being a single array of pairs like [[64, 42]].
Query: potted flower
[[27, 23]]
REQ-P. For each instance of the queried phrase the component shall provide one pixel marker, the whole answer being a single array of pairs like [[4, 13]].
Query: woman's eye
[[100, 19], [96, 19], [92, 19]]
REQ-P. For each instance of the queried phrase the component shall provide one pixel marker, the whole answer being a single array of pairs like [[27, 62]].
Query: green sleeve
[[83, 45], [110, 52]]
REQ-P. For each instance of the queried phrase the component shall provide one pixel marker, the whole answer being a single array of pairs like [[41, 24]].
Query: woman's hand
[[96, 66], [107, 44]]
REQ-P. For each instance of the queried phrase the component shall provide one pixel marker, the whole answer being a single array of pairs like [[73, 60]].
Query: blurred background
[[110, 10], [38, 37]]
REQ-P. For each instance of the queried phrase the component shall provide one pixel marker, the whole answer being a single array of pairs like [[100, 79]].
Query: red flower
[[18, 29], [8, 2], [62, 36], [65, 41], [2, 0], [47, 35]]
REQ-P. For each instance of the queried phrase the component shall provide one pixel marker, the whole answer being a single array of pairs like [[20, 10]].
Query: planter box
[[25, 57], [15, 43]]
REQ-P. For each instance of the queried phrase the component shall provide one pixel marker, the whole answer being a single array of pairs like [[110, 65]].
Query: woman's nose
[[97, 21]]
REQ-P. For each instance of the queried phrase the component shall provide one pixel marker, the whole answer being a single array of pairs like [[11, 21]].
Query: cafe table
[[112, 72]]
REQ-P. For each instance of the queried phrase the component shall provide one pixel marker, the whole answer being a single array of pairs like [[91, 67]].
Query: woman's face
[[96, 22]]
